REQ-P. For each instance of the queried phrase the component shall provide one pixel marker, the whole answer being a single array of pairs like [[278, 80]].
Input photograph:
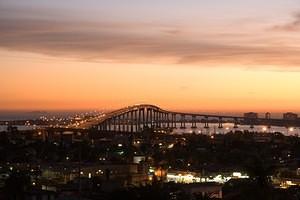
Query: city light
[[150, 99], [190, 178]]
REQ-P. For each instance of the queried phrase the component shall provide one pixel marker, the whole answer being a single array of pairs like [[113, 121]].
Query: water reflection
[[229, 127]]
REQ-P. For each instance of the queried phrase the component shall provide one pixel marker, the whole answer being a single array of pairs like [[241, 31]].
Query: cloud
[[294, 25], [137, 42]]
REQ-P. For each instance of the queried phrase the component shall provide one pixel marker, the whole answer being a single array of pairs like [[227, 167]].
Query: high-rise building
[[290, 116]]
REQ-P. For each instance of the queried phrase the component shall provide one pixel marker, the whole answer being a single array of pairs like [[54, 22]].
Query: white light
[[120, 145], [291, 129], [237, 174]]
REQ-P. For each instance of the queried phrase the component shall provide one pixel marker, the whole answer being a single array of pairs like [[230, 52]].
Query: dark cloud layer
[[294, 25], [123, 42]]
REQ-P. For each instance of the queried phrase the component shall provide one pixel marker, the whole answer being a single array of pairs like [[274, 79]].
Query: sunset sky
[[209, 55]]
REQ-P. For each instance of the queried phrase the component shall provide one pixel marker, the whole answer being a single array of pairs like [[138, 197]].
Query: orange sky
[[238, 57], [40, 82]]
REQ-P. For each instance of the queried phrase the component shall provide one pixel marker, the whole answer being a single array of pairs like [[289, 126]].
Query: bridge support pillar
[[139, 114], [119, 123], [107, 125], [182, 122], [128, 121], [157, 113], [151, 118], [220, 123], [136, 120], [194, 123], [147, 118], [163, 120], [131, 121], [122, 123], [206, 125], [235, 123], [143, 119], [114, 123], [173, 120], [159, 119]]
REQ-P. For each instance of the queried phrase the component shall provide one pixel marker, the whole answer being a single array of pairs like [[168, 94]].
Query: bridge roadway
[[135, 118]]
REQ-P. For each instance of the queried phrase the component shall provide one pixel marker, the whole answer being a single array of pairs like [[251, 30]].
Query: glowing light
[[190, 178], [291, 129], [237, 174]]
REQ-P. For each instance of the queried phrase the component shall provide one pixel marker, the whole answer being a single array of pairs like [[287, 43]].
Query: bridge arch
[[139, 117]]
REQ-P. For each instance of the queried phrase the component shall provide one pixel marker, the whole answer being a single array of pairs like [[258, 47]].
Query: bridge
[[139, 117]]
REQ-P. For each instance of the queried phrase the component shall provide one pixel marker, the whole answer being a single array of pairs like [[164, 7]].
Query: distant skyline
[[211, 55]]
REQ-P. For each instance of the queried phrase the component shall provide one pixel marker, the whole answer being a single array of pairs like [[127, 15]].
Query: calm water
[[213, 129]]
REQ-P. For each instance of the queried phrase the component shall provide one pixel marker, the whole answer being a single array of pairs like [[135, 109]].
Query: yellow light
[[291, 129]]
